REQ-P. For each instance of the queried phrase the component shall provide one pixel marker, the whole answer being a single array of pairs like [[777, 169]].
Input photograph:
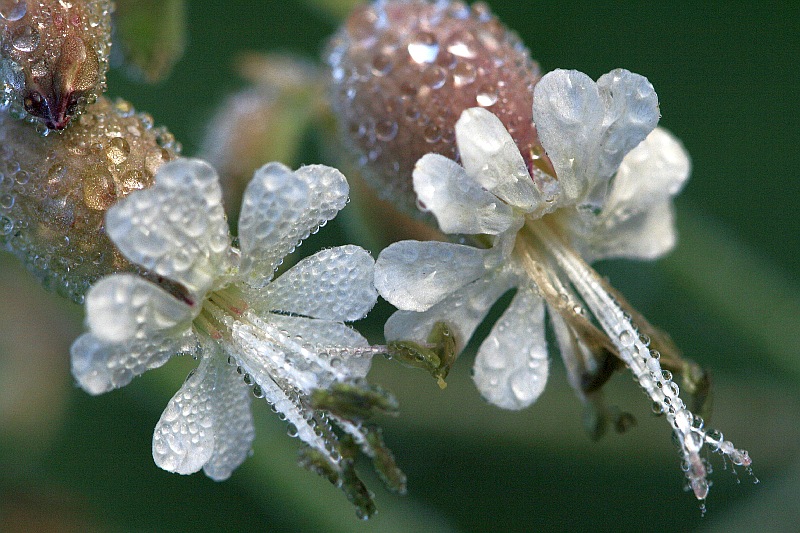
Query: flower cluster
[[284, 338], [545, 176], [611, 197]]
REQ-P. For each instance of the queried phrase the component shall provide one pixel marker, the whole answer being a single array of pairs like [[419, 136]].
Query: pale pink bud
[[402, 71]]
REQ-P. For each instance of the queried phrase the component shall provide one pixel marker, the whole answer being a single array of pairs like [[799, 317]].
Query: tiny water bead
[[72, 179], [402, 71]]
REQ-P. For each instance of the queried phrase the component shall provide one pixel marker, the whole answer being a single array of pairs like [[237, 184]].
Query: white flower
[[284, 337], [616, 176]]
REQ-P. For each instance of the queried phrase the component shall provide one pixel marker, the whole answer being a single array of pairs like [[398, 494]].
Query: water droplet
[[118, 150], [6, 201], [626, 338], [434, 77], [291, 430], [12, 10], [487, 96], [382, 64], [424, 48], [26, 39], [386, 130], [460, 46], [463, 74], [432, 133], [6, 226]]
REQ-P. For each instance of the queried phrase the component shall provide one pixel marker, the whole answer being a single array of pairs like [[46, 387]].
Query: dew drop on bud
[[418, 64], [53, 208]]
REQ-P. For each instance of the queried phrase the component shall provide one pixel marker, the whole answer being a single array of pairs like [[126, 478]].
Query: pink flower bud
[[55, 190], [402, 71]]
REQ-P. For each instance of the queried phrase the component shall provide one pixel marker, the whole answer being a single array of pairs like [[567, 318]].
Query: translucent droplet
[[626, 338], [424, 48], [432, 133], [12, 10], [487, 96], [434, 77], [381, 64], [386, 130], [6, 226], [463, 74], [118, 150], [6, 201], [26, 39]]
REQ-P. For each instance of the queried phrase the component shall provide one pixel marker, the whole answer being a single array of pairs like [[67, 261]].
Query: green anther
[[384, 463], [354, 401], [316, 462], [356, 491], [437, 357]]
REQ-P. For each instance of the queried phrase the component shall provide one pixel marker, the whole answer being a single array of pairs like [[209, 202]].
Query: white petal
[[647, 235], [126, 307], [334, 284], [100, 367], [511, 366], [280, 208], [207, 423], [491, 157], [177, 227], [459, 203], [414, 275], [462, 310], [651, 173], [587, 128]]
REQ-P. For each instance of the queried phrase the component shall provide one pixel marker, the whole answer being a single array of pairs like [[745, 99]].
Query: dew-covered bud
[[55, 190], [53, 57], [402, 71]]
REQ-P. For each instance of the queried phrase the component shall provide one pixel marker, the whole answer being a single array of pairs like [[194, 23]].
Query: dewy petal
[[462, 311], [637, 219], [511, 366], [207, 424], [587, 128], [653, 172], [126, 307], [491, 157], [334, 284], [647, 235], [100, 367], [459, 203], [177, 227], [414, 275], [280, 208]]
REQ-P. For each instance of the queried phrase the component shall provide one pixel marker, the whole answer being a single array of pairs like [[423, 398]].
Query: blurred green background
[[726, 76]]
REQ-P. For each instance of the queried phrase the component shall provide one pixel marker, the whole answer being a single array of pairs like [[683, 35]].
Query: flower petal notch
[[611, 196], [284, 340]]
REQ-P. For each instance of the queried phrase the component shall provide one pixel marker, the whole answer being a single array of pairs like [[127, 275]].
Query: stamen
[[633, 349]]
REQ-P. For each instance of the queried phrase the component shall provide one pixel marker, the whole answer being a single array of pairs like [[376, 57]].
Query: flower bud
[[402, 71], [55, 190], [53, 57]]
